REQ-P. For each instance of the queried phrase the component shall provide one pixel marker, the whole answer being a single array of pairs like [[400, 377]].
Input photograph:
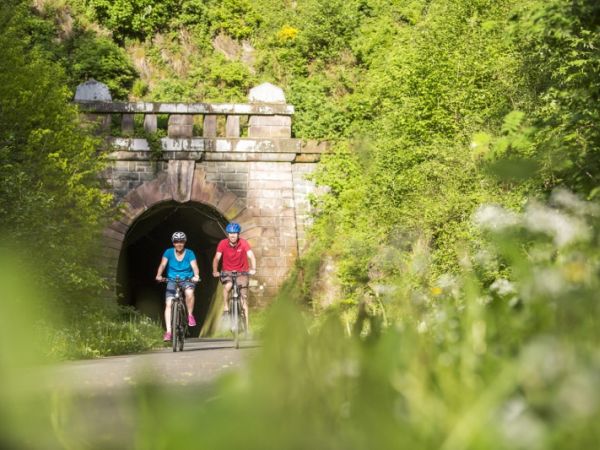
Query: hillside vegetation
[[448, 298]]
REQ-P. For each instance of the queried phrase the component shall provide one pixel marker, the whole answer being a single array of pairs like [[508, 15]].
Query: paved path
[[201, 361]]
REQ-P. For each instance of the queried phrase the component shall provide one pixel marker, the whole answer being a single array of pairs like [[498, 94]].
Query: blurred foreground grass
[[470, 363]]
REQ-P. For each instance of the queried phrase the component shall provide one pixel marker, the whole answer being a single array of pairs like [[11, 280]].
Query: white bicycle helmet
[[178, 236]]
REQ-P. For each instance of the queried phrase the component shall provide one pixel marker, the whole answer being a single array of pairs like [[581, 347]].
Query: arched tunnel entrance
[[146, 240]]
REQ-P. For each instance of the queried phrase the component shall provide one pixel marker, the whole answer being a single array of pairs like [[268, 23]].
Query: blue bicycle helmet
[[233, 228]]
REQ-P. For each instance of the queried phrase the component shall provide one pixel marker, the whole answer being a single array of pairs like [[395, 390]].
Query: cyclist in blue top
[[180, 263]]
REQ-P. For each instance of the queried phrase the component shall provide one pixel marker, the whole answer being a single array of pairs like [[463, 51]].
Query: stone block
[[244, 217], [270, 121], [307, 158], [133, 204], [180, 126], [232, 126], [210, 126], [270, 176], [150, 123], [269, 262], [235, 210], [266, 93], [251, 233], [93, 90], [268, 184], [155, 191], [112, 243], [226, 201], [112, 234], [269, 232], [269, 131], [127, 121], [119, 226], [180, 177]]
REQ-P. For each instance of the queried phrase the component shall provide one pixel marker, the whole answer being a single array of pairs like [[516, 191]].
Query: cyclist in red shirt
[[235, 252]]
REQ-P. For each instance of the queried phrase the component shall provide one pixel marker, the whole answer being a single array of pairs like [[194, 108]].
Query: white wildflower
[[568, 200], [562, 228], [546, 282], [494, 217], [503, 287], [519, 427]]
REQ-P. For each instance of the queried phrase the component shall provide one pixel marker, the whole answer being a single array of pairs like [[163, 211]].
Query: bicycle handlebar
[[233, 273], [176, 280]]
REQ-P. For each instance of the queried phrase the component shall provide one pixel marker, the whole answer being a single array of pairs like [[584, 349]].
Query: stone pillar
[[181, 126], [232, 127], [150, 123], [268, 126], [209, 128], [93, 90], [127, 124]]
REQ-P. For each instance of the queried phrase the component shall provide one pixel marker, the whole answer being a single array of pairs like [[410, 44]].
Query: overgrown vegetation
[[52, 208], [460, 223]]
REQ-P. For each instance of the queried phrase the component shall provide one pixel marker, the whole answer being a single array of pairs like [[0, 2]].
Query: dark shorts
[[242, 280], [171, 288]]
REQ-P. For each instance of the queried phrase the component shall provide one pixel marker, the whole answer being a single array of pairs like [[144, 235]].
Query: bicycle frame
[[179, 313], [237, 313]]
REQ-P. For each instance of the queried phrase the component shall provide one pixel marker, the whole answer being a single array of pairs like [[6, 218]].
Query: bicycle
[[237, 314], [179, 314]]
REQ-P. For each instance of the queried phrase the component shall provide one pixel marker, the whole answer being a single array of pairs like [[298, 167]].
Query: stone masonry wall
[[123, 177], [274, 206]]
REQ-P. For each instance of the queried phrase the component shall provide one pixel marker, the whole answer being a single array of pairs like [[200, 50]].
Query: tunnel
[[146, 240]]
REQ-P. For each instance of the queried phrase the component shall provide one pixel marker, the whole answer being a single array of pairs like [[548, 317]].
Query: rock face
[[234, 50], [93, 90]]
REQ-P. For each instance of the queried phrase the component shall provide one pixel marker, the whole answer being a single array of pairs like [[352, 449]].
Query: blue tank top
[[181, 269]]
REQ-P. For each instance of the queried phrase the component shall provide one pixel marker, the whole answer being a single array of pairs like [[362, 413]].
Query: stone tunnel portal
[[146, 240]]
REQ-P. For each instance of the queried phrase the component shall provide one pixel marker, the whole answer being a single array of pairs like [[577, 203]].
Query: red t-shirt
[[235, 259]]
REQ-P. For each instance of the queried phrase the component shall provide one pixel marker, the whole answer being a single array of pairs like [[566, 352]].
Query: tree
[[50, 197]]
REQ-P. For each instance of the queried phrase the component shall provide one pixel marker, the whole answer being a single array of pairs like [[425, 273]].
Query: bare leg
[[168, 313], [189, 300], [226, 290], [244, 292]]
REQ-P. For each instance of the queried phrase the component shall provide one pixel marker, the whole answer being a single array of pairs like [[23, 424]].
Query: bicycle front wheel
[[182, 327], [175, 319]]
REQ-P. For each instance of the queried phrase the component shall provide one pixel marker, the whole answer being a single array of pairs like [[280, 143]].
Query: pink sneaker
[[191, 321], [167, 337]]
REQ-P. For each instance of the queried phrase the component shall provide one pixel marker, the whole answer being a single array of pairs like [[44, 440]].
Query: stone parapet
[[220, 149], [110, 107]]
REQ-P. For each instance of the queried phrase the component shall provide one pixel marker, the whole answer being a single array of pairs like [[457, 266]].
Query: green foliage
[[100, 58], [132, 18], [559, 41], [101, 329], [51, 195], [237, 18], [52, 207], [326, 27]]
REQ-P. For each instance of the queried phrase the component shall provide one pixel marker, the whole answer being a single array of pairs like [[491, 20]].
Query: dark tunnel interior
[[146, 240]]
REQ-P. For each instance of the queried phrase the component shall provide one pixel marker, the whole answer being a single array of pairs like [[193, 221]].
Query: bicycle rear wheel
[[235, 322], [243, 328]]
